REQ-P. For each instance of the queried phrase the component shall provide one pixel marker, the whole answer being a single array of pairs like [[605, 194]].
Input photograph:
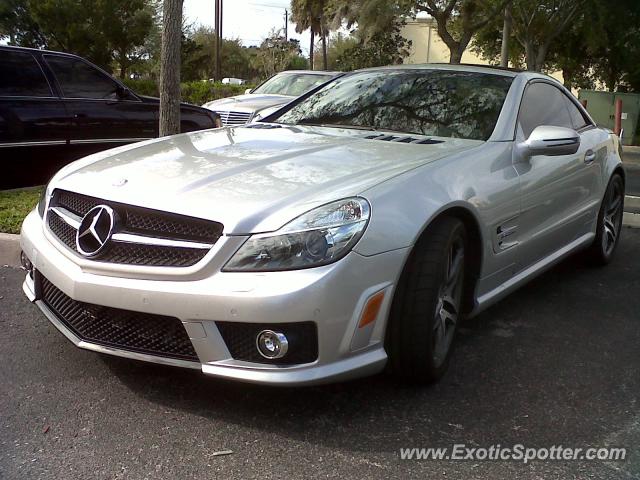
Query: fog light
[[25, 262], [272, 344]]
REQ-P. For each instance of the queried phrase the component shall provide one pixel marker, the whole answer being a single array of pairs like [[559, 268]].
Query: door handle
[[590, 156]]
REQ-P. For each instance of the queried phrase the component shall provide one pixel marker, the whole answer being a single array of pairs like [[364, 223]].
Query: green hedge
[[196, 93]]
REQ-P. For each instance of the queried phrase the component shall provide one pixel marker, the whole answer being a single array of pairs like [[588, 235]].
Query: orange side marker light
[[371, 309]]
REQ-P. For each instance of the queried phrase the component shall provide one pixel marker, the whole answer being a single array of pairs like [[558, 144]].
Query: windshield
[[428, 102], [291, 84]]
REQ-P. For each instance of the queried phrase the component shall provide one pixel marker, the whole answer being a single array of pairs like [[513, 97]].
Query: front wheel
[[427, 304], [609, 223]]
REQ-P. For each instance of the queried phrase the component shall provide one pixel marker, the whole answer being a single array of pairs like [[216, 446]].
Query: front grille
[[151, 255], [240, 339], [63, 231], [116, 328], [234, 118], [139, 221]]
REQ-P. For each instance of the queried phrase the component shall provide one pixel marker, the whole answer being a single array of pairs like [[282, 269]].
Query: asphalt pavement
[[556, 363]]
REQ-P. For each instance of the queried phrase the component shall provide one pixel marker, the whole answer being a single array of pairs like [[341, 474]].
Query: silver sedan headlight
[[319, 237]]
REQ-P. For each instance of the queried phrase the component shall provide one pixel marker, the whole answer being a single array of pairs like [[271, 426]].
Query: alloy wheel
[[447, 310], [612, 219]]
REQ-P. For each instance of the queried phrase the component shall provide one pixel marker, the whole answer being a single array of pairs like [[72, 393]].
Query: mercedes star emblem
[[95, 230]]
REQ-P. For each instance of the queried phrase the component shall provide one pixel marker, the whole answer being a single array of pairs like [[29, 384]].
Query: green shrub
[[202, 92], [196, 93], [143, 87]]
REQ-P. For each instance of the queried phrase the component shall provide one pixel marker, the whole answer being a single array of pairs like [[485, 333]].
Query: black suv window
[[543, 104], [77, 79], [21, 76]]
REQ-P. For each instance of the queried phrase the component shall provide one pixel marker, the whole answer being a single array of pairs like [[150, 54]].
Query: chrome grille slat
[[234, 118], [147, 237]]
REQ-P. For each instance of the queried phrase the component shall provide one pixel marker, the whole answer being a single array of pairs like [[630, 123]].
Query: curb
[[631, 148], [9, 250], [631, 220], [631, 202]]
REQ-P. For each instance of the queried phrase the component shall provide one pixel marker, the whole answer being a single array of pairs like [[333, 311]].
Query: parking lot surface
[[556, 363]]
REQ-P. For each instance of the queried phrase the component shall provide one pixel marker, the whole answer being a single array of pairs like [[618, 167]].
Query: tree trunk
[[530, 54], [324, 51], [455, 54], [170, 67], [567, 77], [311, 47], [506, 35]]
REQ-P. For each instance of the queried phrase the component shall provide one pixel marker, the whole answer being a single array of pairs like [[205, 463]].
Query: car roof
[[448, 66], [39, 50], [311, 72], [467, 67]]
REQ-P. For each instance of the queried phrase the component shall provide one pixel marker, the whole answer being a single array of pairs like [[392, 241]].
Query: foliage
[[277, 54], [387, 47], [198, 56], [201, 92], [538, 23], [197, 92], [313, 15], [104, 31], [457, 20], [597, 46], [15, 205]]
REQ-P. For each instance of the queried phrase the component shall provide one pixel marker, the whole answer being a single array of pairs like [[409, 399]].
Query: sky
[[249, 20]]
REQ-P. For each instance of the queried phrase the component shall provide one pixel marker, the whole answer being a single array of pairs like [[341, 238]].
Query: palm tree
[[310, 14]]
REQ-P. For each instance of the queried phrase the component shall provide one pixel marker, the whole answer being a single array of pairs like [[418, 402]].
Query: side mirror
[[123, 93], [248, 91], [551, 141]]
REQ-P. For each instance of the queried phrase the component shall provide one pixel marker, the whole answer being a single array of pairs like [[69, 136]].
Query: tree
[[312, 15], [276, 54], [357, 51], [104, 31], [457, 20], [597, 46], [170, 67], [126, 36], [198, 56], [538, 23]]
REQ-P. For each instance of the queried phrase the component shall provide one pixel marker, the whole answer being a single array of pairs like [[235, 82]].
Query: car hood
[[250, 179], [248, 103], [156, 101]]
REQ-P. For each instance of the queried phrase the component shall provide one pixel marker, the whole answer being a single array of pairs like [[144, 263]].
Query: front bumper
[[333, 297]]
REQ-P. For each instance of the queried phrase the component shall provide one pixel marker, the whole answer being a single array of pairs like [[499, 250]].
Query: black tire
[[421, 314], [609, 224]]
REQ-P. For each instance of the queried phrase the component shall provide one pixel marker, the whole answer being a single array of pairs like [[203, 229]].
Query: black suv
[[56, 107]]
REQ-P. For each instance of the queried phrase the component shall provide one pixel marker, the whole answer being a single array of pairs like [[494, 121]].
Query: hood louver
[[403, 139]]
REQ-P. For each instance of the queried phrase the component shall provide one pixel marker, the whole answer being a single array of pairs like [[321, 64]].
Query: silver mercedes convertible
[[349, 232]]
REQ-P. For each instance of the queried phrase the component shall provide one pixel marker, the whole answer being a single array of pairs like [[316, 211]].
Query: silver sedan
[[350, 231]]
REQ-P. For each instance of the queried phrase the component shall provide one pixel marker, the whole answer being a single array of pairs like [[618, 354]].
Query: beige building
[[428, 47]]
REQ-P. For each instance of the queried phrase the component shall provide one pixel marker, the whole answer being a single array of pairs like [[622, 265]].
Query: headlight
[[316, 238]]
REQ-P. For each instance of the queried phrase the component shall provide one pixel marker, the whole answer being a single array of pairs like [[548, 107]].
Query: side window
[[543, 104], [80, 80], [21, 76], [577, 118]]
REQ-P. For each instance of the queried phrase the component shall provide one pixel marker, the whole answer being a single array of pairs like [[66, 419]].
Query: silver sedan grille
[[234, 118]]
